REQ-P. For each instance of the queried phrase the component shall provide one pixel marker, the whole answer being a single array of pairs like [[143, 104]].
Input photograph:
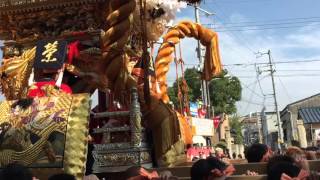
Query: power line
[[237, 37], [272, 21], [258, 25], [250, 98], [250, 102], [258, 80], [276, 62], [240, 1], [286, 70], [245, 43], [260, 29], [285, 90], [295, 70], [260, 83], [247, 87], [298, 75]]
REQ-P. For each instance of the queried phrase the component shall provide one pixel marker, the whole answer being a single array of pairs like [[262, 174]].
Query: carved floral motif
[[50, 23]]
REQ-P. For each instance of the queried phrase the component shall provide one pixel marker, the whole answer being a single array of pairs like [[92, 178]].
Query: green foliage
[[193, 80], [225, 91], [235, 129], [173, 93], [222, 144]]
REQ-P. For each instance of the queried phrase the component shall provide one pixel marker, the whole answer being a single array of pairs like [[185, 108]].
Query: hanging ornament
[[159, 15]]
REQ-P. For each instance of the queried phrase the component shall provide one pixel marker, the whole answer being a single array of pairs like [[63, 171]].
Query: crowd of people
[[291, 164], [202, 152], [19, 172]]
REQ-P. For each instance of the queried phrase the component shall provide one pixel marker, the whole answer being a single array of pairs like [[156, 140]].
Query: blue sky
[[286, 44]]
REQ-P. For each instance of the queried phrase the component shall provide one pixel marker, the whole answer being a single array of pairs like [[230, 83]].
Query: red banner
[[216, 121]]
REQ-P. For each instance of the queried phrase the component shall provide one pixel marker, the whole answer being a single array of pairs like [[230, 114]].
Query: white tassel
[[31, 78], [60, 77]]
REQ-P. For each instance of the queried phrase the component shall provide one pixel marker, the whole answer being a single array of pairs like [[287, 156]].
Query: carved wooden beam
[[27, 6]]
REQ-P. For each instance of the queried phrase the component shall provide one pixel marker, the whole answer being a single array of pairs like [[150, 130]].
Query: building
[[223, 134], [269, 129], [252, 128], [310, 117], [301, 121]]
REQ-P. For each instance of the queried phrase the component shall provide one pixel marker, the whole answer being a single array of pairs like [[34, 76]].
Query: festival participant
[[139, 173], [219, 153], [311, 155], [318, 155], [299, 156], [196, 153], [190, 153], [16, 172], [279, 158], [62, 176], [287, 171], [210, 169], [91, 177], [258, 153], [207, 152]]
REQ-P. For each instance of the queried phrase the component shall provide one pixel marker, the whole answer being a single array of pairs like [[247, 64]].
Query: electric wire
[[217, 27], [241, 39], [276, 62], [274, 20]]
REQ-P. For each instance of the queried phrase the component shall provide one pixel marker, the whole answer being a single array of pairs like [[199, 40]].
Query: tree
[[236, 129], [225, 91], [193, 80], [173, 92]]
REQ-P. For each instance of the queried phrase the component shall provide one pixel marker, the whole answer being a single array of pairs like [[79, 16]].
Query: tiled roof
[[310, 115], [301, 100]]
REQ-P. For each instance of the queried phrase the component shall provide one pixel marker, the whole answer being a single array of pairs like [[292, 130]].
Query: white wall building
[[269, 129]]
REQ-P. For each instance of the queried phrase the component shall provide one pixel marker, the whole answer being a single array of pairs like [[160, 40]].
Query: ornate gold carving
[[64, 114], [135, 119], [145, 156], [50, 23], [125, 158], [15, 74]]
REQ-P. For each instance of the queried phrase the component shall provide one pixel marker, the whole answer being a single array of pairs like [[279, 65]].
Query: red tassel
[[73, 51]]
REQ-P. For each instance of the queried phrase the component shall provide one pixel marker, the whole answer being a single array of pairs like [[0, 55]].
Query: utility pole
[[280, 133], [275, 99], [204, 84]]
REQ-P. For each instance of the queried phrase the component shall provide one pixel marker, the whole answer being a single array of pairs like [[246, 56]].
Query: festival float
[[57, 53]]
